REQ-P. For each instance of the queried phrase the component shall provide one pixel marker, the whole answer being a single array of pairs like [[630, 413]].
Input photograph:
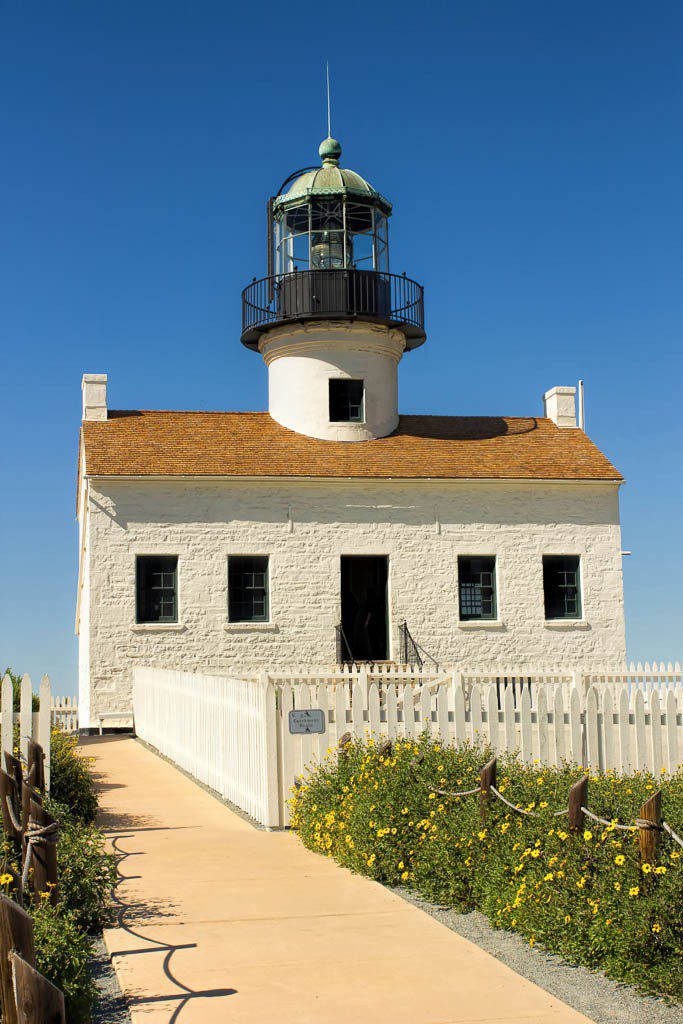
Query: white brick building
[[313, 532]]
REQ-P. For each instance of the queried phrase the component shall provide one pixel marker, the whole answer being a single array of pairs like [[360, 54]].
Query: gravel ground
[[602, 1000], [111, 1007]]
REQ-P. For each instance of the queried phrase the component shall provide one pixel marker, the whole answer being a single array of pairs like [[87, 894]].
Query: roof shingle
[[144, 443]]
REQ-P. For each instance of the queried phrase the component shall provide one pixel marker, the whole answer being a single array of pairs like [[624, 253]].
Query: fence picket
[[459, 715], [656, 733], [543, 728], [527, 750], [671, 732], [492, 716], [476, 722], [25, 715], [511, 743], [373, 710], [392, 712], [640, 745]]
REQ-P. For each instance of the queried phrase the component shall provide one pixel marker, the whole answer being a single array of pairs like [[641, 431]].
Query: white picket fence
[[219, 729], [64, 714], [34, 725], [234, 734]]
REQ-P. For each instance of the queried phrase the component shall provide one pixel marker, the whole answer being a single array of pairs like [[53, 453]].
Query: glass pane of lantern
[[362, 252], [358, 218], [327, 250], [381, 244], [327, 215], [295, 220], [299, 252]]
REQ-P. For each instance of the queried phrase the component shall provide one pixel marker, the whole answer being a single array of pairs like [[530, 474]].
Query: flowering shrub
[[585, 896]]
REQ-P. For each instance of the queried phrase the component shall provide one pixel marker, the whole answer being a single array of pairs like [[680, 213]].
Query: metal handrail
[[351, 293]]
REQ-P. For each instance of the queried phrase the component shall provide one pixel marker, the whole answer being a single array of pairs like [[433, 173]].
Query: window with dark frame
[[562, 586], [248, 588], [477, 587], [156, 584], [346, 401]]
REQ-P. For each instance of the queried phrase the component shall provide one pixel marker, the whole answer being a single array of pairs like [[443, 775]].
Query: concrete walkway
[[219, 921]]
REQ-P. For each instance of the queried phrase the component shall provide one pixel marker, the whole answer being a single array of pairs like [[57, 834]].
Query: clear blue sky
[[533, 153]]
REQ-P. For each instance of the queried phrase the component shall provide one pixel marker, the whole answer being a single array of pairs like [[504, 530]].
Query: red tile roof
[[144, 443]]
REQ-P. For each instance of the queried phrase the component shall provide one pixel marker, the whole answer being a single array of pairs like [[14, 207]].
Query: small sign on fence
[[304, 722]]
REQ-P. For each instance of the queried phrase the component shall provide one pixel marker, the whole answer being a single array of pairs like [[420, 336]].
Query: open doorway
[[364, 606]]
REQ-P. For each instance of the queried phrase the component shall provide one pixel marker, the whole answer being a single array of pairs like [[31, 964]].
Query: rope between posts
[[446, 792], [676, 838], [615, 824], [36, 835]]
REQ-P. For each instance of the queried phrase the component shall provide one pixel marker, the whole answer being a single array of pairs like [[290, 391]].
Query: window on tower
[[346, 401]]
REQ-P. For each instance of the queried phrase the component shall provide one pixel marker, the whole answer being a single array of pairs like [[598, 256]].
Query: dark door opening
[[364, 606]]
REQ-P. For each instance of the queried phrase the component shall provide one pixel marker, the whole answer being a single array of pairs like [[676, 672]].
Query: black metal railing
[[351, 294], [344, 655], [410, 654]]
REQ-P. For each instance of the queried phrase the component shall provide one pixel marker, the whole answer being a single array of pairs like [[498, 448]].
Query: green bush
[[62, 954], [584, 896], [70, 780], [86, 873]]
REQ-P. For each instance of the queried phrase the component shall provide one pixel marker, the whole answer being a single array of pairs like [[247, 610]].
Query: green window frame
[[156, 588], [248, 588], [477, 587], [347, 400], [562, 586]]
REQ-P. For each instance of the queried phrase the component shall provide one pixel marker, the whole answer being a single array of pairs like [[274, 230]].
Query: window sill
[[566, 624], [481, 624], [251, 627], [158, 627]]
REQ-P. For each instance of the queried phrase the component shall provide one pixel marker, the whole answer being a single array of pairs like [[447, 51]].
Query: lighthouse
[[330, 320]]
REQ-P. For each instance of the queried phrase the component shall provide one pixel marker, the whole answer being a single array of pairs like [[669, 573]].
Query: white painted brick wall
[[202, 522]]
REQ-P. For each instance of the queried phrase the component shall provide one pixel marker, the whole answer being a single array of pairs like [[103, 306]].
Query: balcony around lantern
[[340, 294]]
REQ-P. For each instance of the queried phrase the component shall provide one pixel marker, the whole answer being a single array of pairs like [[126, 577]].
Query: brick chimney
[[94, 387], [559, 405]]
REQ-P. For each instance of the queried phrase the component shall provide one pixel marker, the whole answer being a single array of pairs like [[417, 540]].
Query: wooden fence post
[[578, 798], [16, 933], [648, 837], [44, 858], [487, 778], [36, 766], [10, 802], [342, 746], [37, 999], [13, 768]]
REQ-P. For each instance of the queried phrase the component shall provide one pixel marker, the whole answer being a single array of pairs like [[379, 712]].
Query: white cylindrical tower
[[330, 321]]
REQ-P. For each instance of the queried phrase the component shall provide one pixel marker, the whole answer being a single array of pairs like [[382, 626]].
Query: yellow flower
[[617, 886], [404, 876], [660, 870], [432, 796], [482, 835], [401, 864], [656, 927], [562, 835], [5, 879], [371, 860], [588, 835], [619, 859], [646, 869], [634, 890], [549, 877], [535, 853]]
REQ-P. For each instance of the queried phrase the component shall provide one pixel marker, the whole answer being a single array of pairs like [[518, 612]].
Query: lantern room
[[328, 256], [330, 219]]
